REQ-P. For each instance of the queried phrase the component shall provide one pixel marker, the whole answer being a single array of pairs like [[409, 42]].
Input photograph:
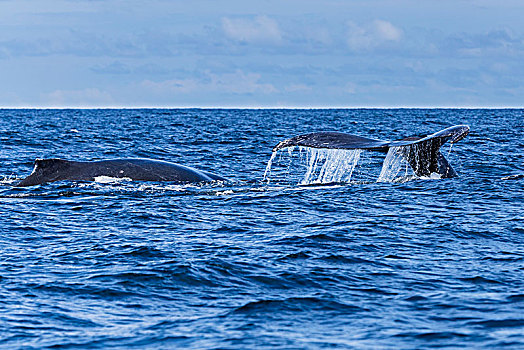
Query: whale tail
[[422, 153], [425, 158], [50, 169]]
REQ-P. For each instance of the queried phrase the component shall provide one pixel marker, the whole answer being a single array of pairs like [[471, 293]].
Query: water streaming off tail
[[394, 163], [321, 165], [267, 172], [333, 165]]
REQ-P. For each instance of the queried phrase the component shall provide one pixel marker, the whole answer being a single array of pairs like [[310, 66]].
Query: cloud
[[372, 35], [495, 42], [172, 86], [260, 29], [237, 82], [386, 30], [82, 98], [76, 43]]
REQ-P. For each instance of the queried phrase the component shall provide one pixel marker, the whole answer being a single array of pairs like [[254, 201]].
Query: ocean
[[281, 261]]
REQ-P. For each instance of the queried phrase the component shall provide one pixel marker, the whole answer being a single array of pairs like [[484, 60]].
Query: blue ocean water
[[419, 263]]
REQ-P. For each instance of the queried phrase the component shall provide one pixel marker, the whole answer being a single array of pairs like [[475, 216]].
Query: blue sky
[[267, 53]]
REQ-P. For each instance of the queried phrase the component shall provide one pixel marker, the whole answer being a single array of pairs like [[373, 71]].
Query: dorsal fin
[[45, 170]]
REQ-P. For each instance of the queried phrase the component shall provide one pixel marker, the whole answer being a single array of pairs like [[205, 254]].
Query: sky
[[265, 53]]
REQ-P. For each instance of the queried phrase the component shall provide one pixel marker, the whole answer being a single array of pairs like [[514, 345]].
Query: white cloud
[[386, 30], [372, 35], [261, 29]]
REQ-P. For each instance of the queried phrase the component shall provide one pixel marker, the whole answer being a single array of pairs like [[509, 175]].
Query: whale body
[[139, 169]]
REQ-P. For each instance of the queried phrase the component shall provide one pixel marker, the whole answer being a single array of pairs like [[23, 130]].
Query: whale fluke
[[422, 153], [333, 140]]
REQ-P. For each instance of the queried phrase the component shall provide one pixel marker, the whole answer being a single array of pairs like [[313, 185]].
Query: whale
[[136, 169], [421, 152]]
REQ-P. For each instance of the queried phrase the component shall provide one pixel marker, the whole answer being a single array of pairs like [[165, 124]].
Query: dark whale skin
[[138, 169]]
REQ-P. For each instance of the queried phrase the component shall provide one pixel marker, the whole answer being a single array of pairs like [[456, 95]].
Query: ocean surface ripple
[[250, 264]]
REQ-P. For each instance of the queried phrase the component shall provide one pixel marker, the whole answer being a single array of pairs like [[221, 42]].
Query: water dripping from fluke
[[393, 165], [267, 172], [305, 166], [334, 165], [322, 166]]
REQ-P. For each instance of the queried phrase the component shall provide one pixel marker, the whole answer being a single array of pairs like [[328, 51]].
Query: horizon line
[[259, 107]]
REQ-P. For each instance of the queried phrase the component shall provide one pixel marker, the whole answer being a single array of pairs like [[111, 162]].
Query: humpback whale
[[422, 153], [49, 170]]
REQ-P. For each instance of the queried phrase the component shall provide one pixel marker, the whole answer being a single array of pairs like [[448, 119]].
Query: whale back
[[49, 170]]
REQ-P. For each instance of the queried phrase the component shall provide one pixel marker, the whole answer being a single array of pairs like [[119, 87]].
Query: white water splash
[[393, 164], [322, 165], [109, 179], [267, 173], [334, 165], [434, 176], [8, 179], [224, 193]]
